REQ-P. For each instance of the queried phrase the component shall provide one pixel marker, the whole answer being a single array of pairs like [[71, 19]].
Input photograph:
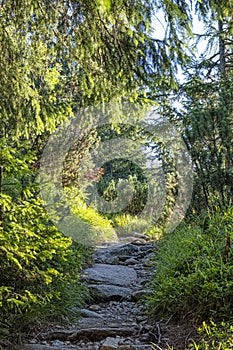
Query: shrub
[[37, 263], [194, 276]]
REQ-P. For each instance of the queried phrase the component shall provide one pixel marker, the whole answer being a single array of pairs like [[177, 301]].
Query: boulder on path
[[50, 347], [131, 261], [89, 313], [117, 275], [106, 292], [111, 255]]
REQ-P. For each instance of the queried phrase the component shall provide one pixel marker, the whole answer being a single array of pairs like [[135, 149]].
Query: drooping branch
[[222, 60]]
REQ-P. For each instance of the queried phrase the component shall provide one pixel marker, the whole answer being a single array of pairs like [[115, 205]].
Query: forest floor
[[117, 317]]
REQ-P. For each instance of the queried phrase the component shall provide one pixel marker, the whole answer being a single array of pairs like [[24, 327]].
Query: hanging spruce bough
[[204, 112], [58, 52], [207, 112]]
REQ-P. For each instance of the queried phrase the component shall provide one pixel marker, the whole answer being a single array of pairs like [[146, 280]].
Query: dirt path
[[116, 319]]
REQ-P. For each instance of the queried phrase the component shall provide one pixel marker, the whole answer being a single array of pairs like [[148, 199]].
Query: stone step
[[115, 320]]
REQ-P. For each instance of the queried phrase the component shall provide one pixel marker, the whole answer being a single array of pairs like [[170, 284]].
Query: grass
[[125, 224], [85, 225], [194, 279]]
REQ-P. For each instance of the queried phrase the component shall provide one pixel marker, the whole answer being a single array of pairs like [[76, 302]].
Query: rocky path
[[116, 319]]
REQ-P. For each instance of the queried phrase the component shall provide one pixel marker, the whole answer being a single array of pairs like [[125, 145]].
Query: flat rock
[[117, 275], [114, 260], [49, 347], [111, 254], [131, 261], [110, 292], [98, 334], [89, 313], [140, 294], [140, 236], [133, 240]]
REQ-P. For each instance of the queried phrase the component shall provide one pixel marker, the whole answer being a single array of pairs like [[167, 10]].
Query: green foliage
[[194, 271], [206, 123], [87, 52], [115, 172], [86, 225], [215, 336], [204, 115], [156, 232], [37, 262], [125, 224], [59, 56]]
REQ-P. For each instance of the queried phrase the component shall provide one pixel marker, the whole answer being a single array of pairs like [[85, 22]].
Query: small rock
[[140, 236], [141, 318], [57, 343], [117, 251], [148, 262], [89, 313], [124, 257], [110, 292], [139, 241], [95, 307], [109, 344], [139, 294], [131, 261]]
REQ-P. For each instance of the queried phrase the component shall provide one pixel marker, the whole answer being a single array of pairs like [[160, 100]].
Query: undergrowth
[[125, 224], [85, 224], [215, 336], [194, 279]]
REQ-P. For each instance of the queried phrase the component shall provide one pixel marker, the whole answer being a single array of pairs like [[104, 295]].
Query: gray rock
[[131, 261], [110, 292], [110, 344], [100, 333], [148, 248], [139, 241], [127, 239], [37, 347], [117, 251], [89, 313], [58, 343], [125, 257], [139, 294], [148, 262], [106, 259], [140, 236], [111, 274], [95, 307], [49, 347]]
